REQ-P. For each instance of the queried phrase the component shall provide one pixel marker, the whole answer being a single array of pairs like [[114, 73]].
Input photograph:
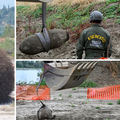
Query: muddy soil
[[7, 110], [72, 104]]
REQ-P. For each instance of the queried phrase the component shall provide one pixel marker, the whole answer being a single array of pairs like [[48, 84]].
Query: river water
[[28, 76]]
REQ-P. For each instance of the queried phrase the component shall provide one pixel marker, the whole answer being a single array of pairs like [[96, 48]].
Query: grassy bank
[[30, 83], [73, 17], [63, 2]]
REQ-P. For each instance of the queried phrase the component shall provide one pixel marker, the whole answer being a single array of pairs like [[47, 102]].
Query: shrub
[[118, 102], [6, 77], [88, 84]]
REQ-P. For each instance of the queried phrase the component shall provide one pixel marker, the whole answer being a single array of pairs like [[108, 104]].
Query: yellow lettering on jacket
[[98, 37]]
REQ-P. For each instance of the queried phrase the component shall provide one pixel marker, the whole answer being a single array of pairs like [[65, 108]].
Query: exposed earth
[[72, 104], [76, 107], [68, 51]]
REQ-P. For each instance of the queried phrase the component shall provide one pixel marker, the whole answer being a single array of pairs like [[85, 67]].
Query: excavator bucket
[[64, 77]]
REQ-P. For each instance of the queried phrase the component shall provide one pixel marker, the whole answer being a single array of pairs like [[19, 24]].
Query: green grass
[[60, 94], [88, 83], [42, 83], [2, 30], [111, 1], [97, 107], [8, 45], [8, 32], [110, 103], [31, 82], [118, 102], [72, 105], [65, 16], [86, 101], [118, 20], [74, 88], [70, 95]]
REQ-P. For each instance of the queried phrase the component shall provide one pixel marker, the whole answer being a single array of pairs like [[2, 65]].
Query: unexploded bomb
[[33, 45], [44, 113]]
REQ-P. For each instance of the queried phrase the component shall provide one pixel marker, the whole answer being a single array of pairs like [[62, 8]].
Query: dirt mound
[[103, 75]]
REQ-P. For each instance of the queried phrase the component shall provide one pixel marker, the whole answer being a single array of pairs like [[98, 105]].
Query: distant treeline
[[8, 46], [7, 22], [8, 31], [7, 15], [29, 64], [2, 30]]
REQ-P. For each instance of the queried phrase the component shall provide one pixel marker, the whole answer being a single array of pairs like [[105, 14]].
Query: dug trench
[[72, 104], [68, 49]]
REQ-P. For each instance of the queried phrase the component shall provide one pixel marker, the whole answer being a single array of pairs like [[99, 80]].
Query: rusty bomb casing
[[33, 45]]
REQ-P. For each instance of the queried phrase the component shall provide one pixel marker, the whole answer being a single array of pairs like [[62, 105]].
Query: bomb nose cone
[[34, 45]]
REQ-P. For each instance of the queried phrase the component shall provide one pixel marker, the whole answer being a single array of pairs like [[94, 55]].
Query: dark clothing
[[95, 41]]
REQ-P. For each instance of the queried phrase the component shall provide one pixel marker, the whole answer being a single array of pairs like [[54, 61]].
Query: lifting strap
[[45, 39], [47, 113], [38, 88]]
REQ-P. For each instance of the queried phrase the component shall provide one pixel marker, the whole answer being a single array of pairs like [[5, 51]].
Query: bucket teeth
[[91, 65], [88, 65], [94, 65], [81, 66], [58, 79], [85, 66]]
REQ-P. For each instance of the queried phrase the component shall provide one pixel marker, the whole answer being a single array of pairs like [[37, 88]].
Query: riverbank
[[71, 104]]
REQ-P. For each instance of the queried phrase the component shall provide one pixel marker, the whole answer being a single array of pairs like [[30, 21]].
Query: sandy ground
[[71, 105], [7, 111]]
